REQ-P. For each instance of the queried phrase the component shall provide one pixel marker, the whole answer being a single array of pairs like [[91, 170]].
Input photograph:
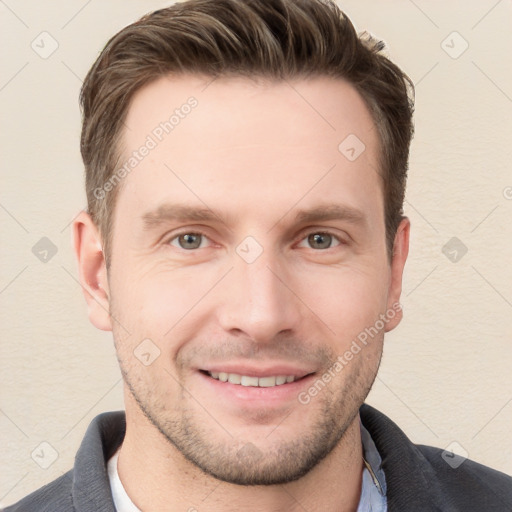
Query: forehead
[[242, 144]]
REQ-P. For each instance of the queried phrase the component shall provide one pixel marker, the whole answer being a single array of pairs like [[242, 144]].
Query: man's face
[[247, 243]]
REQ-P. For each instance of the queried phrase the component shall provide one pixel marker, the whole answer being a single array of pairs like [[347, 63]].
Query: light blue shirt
[[373, 488]]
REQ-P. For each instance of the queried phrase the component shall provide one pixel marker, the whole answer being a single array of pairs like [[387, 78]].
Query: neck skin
[[157, 477]]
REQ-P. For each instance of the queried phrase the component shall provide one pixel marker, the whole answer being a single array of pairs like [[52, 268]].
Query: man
[[245, 242]]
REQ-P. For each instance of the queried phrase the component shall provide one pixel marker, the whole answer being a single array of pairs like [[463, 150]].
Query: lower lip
[[274, 395]]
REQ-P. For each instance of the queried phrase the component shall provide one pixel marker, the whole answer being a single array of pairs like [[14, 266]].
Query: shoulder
[[86, 486], [425, 478], [54, 496], [473, 481]]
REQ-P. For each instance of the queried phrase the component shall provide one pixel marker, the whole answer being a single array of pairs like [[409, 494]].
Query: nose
[[259, 301]]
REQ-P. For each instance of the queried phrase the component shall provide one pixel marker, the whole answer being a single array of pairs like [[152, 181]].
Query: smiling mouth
[[251, 381]]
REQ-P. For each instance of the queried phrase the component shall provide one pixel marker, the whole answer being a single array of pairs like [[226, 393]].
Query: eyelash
[[302, 237]]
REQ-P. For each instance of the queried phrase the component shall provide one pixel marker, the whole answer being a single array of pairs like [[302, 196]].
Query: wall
[[445, 376]]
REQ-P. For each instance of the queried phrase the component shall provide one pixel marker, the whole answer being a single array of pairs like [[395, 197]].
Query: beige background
[[446, 373]]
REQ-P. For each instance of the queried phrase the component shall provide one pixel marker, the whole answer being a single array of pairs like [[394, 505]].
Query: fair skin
[[254, 154]]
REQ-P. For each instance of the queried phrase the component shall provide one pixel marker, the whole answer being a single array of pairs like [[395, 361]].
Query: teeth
[[266, 382], [248, 381], [245, 380], [234, 378]]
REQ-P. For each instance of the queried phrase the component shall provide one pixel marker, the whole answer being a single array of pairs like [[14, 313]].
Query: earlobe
[[400, 252], [92, 270]]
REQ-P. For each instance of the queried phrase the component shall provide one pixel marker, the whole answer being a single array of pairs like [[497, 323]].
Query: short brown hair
[[276, 39]]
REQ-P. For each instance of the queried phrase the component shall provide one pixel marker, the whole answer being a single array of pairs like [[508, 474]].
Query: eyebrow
[[331, 212], [178, 213], [184, 213]]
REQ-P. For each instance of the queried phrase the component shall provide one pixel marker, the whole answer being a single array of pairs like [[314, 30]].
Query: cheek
[[156, 304], [347, 301]]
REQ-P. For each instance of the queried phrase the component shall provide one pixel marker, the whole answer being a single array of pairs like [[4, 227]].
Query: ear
[[92, 270], [400, 252]]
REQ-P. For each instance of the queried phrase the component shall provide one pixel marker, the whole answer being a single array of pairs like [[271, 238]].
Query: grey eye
[[320, 240], [188, 241]]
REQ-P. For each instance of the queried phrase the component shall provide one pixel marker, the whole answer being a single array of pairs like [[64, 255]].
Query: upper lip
[[261, 370]]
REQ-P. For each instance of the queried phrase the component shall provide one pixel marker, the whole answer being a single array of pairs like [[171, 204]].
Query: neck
[[156, 476]]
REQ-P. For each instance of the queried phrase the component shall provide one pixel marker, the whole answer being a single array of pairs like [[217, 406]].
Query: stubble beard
[[241, 461]]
